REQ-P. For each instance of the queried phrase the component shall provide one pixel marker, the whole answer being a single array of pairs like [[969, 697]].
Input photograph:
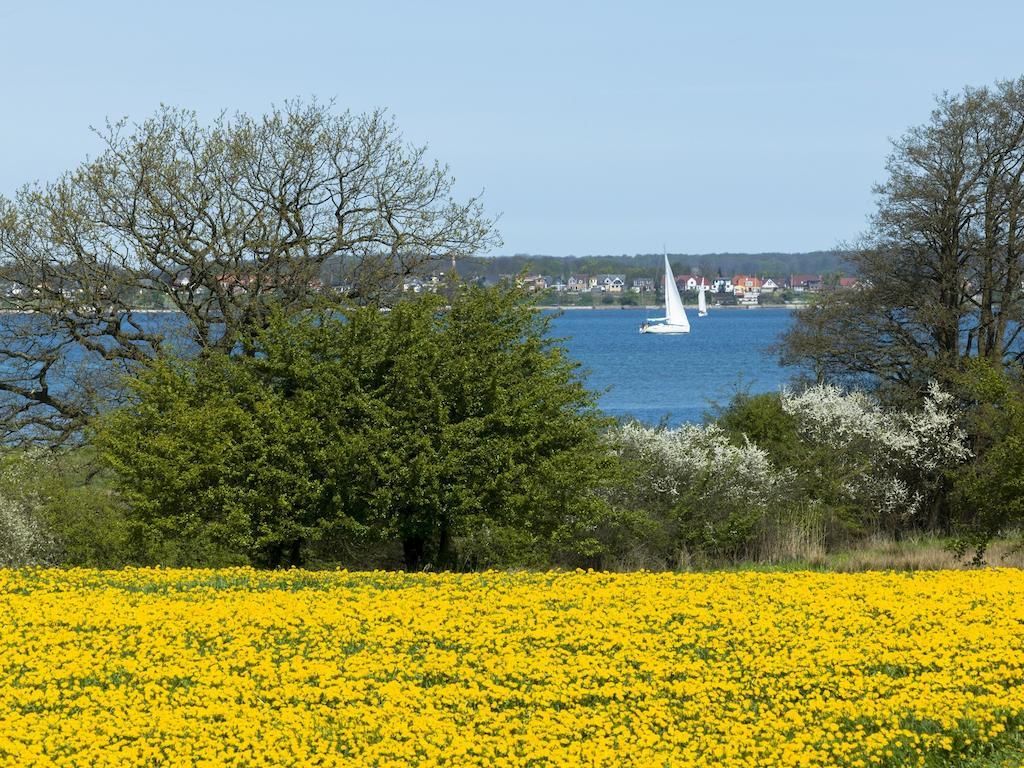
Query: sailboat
[[702, 303], [675, 316]]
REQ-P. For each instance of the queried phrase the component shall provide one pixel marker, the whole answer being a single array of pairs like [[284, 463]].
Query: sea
[[672, 379], [654, 378]]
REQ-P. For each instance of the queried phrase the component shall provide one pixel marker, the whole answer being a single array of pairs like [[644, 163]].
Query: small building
[[801, 283], [744, 285], [609, 283], [768, 285], [692, 282], [643, 285], [532, 282], [577, 283]]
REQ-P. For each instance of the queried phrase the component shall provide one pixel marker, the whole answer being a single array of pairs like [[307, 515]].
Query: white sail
[[674, 312], [702, 303]]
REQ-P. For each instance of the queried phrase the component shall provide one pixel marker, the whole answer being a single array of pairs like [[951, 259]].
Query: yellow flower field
[[238, 667]]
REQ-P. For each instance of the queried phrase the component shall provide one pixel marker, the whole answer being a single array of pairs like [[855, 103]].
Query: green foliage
[[62, 507], [427, 425], [689, 493], [219, 467], [820, 478], [988, 493]]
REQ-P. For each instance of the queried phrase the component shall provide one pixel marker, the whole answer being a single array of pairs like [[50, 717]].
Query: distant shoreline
[[655, 307]]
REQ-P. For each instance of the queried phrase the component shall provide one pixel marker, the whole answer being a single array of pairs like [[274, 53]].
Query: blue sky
[[591, 127]]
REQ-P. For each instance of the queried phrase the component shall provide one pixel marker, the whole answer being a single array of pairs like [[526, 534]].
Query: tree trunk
[[444, 545], [275, 555], [413, 548], [295, 554]]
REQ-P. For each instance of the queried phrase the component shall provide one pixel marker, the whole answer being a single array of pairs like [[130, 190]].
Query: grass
[[918, 554], [1008, 755], [875, 553]]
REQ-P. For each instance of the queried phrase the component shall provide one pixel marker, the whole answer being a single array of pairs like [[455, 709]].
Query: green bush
[[434, 427], [58, 507], [688, 493], [988, 492]]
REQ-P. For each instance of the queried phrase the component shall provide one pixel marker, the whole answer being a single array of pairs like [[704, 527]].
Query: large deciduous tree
[[215, 221], [941, 264]]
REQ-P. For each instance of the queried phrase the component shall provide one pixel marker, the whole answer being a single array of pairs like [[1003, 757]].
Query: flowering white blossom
[[699, 458], [24, 539], [882, 446]]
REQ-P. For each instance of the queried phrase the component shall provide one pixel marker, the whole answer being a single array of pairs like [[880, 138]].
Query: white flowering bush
[[879, 457], [24, 538], [675, 461], [702, 493]]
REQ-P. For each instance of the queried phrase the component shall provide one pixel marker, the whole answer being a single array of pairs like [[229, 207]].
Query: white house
[[722, 285], [609, 283]]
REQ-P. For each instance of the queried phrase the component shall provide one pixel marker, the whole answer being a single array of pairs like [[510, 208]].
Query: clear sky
[[593, 128]]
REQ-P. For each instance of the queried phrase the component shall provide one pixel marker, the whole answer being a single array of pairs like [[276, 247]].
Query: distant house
[[577, 283], [802, 283], [849, 283], [643, 285], [532, 282], [557, 285], [746, 285], [692, 282], [768, 285], [722, 285], [236, 283], [412, 285], [612, 283]]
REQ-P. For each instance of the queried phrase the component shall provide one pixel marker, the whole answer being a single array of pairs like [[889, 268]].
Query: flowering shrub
[[703, 492], [24, 537], [882, 458], [674, 462]]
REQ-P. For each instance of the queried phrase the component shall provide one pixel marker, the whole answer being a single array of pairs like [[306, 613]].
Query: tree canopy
[[459, 432], [941, 264], [217, 222]]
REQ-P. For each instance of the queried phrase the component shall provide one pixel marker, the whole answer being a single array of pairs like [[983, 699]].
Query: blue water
[[653, 377]]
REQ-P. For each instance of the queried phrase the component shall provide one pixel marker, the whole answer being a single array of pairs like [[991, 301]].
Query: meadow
[[253, 668]]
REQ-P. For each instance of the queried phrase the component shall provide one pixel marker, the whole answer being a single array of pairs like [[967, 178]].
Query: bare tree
[[942, 260], [217, 222]]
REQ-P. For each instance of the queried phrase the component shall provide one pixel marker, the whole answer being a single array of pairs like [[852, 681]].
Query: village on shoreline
[[613, 290]]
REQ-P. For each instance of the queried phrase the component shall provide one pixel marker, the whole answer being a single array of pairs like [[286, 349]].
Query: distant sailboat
[[675, 316], [702, 303]]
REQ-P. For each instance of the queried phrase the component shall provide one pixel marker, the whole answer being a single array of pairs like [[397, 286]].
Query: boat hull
[[665, 328]]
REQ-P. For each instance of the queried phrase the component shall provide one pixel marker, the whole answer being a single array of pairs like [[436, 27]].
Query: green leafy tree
[[462, 432], [988, 493], [219, 467]]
